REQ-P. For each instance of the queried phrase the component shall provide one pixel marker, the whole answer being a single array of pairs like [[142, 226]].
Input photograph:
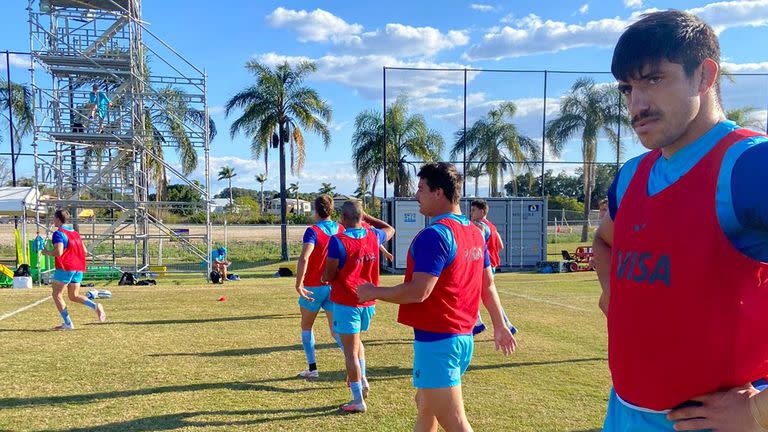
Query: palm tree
[[587, 109], [294, 189], [745, 116], [496, 143], [226, 173], [362, 191], [327, 188], [475, 171], [280, 102], [261, 178], [407, 135], [20, 101]]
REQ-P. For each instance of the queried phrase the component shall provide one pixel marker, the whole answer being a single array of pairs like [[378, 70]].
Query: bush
[[559, 202]]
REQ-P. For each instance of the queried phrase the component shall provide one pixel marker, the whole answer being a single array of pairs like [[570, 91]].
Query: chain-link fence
[[527, 132]]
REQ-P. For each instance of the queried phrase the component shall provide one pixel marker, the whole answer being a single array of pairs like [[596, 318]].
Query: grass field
[[171, 357]]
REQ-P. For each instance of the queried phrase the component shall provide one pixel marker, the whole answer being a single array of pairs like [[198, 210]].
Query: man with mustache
[[681, 255]]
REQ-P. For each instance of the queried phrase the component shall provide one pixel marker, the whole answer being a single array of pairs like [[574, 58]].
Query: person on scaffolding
[[100, 103]]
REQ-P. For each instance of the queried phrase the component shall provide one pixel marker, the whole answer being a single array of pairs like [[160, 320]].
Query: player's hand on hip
[[307, 294], [366, 292], [727, 411], [504, 340]]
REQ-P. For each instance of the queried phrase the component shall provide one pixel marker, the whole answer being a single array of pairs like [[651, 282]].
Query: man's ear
[[709, 75]]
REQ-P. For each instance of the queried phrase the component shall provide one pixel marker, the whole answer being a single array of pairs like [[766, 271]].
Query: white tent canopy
[[15, 201]]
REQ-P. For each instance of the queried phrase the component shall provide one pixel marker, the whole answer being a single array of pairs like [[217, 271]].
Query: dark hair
[[324, 205], [61, 215], [442, 175], [673, 35], [352, 211], [480, 204]]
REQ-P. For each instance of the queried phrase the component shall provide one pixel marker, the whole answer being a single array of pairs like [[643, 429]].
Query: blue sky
[[352, 41]]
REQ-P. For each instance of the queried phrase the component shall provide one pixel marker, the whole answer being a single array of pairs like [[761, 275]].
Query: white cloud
[[364, 74], [404, 41], [336, 127], [534, 35], [584, 8], [746, 67], [398, 39], [216, 109], [730, 14], [633, 4], [482, 7], [531, 35], [315, 26], [17, 60]]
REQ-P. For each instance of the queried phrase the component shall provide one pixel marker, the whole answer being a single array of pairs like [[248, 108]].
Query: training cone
[[222, 299]]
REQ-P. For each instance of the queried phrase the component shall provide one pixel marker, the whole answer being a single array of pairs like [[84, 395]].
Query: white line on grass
[[541, 300], [29, 306]]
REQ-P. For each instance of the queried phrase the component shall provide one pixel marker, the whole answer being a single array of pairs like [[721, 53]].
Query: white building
[[292, 206]]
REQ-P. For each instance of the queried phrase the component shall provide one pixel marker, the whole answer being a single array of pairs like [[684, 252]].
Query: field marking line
[[29, 306], [541, 300]]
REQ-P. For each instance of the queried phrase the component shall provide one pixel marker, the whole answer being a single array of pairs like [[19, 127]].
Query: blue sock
[[357, 391], [308, 341], [338, 341], [90, 304], [65, 315], [362, 367]]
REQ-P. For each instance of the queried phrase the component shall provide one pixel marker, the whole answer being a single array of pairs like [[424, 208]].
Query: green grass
[[173, 358]]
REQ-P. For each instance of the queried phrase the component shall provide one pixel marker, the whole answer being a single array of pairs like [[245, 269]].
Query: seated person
[[220, 263]]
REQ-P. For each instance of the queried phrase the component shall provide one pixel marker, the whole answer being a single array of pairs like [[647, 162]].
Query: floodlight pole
[[543, 133], [464, 190], [384, 143]]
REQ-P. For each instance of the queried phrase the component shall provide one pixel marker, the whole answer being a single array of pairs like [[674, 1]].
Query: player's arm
[[58, 250], [601, 247], [301, 269], [380, 224], [416, 290], [504, 339], [739, 409], [331, 269], [386, 253], [501, 242]]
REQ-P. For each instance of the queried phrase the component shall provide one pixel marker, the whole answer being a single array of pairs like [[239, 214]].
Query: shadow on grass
[[10, 403], [187, 419], [384, 373], [245, 351], [26, 330], [202, 320], [282, 348]]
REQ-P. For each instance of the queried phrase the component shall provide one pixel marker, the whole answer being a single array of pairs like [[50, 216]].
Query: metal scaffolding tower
[[115, 170]]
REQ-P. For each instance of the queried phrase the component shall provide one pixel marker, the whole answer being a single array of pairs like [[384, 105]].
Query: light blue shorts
[[67, 277], [322, 299], [441, 363], [351, 320], [622, 418]]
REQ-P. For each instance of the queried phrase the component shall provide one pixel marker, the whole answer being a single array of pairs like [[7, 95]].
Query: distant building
[[303, 207]]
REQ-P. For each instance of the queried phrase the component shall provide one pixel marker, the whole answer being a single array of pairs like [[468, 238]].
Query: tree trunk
[[477, 185], [231, 198], [373, 190], [283, 200], [262, 198]]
